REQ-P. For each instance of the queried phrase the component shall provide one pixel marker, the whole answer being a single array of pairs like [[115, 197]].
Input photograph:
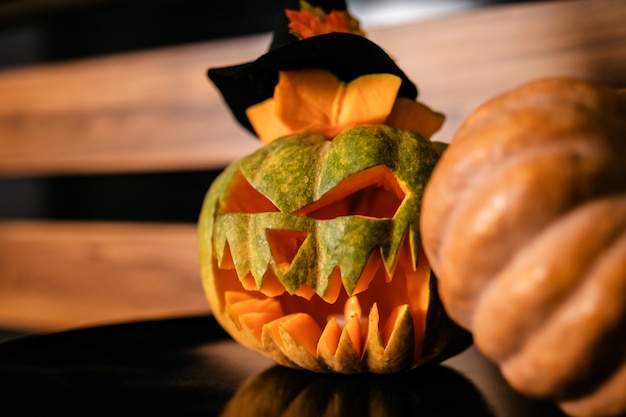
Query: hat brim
[[346, 55]]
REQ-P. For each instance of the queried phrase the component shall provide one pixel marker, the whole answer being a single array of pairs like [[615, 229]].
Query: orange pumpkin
[[524, 222]]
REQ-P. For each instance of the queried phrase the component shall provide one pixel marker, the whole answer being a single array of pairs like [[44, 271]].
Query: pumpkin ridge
[[468, 170], [467, 186], [494, 209], [586, 300], [539, 299]]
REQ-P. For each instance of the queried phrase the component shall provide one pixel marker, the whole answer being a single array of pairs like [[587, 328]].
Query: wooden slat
[[61, 275], [146, 111], [156, 110], [462, 60]]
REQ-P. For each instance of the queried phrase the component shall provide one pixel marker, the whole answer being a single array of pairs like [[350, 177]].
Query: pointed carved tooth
[[334, 287], [252, 323], [401, 254], [333, 237], [228, 260], [300, 335], [248, 255], [271, 286], [305, 292], [281, 346], [248, 282], [340, 348], [399, 349], [221, 251], [227, 236], [301, 270], [391, 350], [224, 257], [374, 348], [327, 345], [336, 349], [348, 353], [271, 344], [271, 334], [374, 262], [329, 340]]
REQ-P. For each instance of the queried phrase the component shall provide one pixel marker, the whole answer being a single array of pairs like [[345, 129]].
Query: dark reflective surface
[[190, 367], [433, 391]]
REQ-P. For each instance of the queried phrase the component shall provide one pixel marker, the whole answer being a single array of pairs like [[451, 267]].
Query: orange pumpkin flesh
[[316, 101]]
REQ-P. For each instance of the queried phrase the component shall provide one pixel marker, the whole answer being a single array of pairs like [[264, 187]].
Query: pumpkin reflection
[[430, 391]]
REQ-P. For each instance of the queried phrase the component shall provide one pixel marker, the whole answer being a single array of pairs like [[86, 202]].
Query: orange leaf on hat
[[313, 21]]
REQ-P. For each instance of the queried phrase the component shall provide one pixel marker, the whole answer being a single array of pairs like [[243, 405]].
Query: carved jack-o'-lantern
[[311, 253], [310, 246]]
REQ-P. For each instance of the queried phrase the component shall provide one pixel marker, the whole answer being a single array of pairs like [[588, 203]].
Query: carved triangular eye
[[284, 245], [374, 192], [241, 197]]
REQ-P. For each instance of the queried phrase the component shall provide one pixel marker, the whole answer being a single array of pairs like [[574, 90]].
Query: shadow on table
[[190, 367]]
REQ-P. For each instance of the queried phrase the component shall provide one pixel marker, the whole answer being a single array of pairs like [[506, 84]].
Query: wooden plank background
[[145, 111], [156, 111], [461, 61], [55, 275]]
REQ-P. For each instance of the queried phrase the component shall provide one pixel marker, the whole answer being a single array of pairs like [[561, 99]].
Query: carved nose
[[284, 245]]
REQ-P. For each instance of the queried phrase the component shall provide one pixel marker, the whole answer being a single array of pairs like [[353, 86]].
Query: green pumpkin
[[311, 253]]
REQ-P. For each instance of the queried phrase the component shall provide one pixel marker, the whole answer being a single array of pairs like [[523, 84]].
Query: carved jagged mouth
[[377, 327]]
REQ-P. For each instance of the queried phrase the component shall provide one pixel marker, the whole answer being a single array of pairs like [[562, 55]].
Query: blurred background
[[52, 31], [111, 134], [34, 31]]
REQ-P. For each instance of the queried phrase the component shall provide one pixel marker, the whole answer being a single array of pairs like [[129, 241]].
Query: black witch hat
[[346, 55]]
